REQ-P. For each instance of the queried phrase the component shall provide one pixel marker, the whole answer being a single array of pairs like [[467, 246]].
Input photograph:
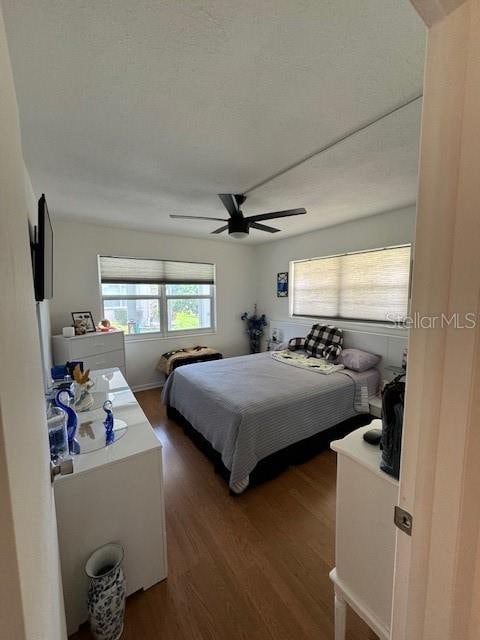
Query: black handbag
[[393, 400]]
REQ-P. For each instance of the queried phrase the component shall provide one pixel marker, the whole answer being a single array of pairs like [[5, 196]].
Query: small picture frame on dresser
[[85, 318]]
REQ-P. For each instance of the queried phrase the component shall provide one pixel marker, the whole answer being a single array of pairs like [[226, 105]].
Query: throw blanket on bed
[[320, 365], [251, 406], [317, 365], [169, 360]]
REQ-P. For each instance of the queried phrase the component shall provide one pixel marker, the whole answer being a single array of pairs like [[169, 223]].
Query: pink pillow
[[358, 360]]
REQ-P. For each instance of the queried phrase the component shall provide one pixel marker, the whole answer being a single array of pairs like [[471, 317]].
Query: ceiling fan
[[238, 225]]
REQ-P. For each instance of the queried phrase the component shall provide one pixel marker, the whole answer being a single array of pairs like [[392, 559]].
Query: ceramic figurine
[[104, 325], [108, 423], [73, 445], [106, 592], [82, 398]]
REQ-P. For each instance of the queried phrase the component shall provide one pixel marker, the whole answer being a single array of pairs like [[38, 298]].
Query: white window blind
[[144, 271], [368, 285], [162, 297]]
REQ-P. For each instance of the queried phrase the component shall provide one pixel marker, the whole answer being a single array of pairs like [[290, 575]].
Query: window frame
[[389, 323], [163, 298], [181, 332]]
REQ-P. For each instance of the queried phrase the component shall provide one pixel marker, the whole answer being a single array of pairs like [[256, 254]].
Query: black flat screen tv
[[43, 254]]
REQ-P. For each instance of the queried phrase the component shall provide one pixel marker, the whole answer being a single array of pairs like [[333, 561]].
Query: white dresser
[[100, 350], [365, 534], [115, 494]]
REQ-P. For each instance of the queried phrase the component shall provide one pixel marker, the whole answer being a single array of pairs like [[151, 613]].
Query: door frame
[[31, 598], [437, 569]]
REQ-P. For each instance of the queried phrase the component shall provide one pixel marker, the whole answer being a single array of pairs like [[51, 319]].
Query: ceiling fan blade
[[198, 218], [277, 214], [230, 204], [220, 229], [263, 227]]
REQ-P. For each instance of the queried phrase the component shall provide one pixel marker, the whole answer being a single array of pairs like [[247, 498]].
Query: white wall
[[31, 603], [43, 308], [76, 286], [44, 328], [383, 230], [245, 274]]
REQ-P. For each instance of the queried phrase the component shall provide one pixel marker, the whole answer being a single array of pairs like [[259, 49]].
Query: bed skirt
[[274, 464]]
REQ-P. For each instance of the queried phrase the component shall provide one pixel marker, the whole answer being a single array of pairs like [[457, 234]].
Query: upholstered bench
[[190, 355]]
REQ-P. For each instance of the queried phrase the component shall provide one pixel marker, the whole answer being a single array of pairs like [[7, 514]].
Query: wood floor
[[252, 567]]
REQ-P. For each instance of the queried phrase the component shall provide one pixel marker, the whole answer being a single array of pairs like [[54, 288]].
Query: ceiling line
[[334, 142]]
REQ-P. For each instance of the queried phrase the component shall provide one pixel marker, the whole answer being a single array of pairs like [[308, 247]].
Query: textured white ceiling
[[131, 111]]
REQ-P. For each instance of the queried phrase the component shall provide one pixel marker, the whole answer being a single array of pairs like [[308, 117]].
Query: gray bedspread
[[252, 406]]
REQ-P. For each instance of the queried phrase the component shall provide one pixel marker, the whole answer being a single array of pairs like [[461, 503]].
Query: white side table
[[365, 534], [376, 407], [276, 345]]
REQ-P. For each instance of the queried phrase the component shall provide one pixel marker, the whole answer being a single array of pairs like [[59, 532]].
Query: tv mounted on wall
[[42, 248]]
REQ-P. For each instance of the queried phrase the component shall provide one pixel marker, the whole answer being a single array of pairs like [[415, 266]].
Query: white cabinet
[[100, 350], [115, 494], [365, 534]]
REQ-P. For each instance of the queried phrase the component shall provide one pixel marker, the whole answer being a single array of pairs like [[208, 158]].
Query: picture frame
[[87, 317], [282, 284]]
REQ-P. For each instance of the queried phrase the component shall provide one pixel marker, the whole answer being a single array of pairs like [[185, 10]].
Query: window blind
[[368, 285], [148, 271]]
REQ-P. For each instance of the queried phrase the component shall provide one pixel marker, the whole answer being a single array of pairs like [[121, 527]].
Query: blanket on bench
[[172, 359]]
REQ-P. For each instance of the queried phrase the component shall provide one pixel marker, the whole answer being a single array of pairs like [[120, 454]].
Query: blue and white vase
[[106, 592]]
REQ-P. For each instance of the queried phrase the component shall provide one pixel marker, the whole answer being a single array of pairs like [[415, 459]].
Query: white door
[[437, 573], [31, 605]]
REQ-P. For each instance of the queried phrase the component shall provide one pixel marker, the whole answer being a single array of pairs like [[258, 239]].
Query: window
[[367, 286], [144, 296]]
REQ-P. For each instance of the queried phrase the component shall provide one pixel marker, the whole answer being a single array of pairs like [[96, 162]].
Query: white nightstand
[[376, 406], [365, 534], [276, 345]]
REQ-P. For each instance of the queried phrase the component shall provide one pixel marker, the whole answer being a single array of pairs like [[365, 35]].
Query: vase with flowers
[[255, 325]]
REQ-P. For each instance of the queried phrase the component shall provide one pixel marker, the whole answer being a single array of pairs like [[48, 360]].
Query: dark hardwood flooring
[[252, 567]]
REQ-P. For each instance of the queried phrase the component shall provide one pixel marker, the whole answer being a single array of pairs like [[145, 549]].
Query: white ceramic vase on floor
[[106, 592]]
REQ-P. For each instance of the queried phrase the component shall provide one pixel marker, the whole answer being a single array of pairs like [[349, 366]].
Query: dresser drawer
[[95, 344], [105, 360]]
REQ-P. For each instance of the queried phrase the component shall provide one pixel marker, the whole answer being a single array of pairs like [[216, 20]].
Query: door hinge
[[403, 520]]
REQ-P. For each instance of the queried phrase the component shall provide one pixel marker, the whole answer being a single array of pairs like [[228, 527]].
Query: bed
[[250, 407]]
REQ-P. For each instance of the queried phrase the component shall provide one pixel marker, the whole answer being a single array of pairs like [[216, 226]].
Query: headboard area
[[387, 342]]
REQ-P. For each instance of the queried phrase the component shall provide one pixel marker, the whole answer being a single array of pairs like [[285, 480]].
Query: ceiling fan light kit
[[238, 228], [238, 225]]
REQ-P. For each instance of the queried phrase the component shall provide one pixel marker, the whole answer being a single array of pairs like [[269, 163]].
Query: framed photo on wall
[[282, 284], [83, 318]]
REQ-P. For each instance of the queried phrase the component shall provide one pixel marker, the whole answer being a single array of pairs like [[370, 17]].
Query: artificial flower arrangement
[[255, 325]]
